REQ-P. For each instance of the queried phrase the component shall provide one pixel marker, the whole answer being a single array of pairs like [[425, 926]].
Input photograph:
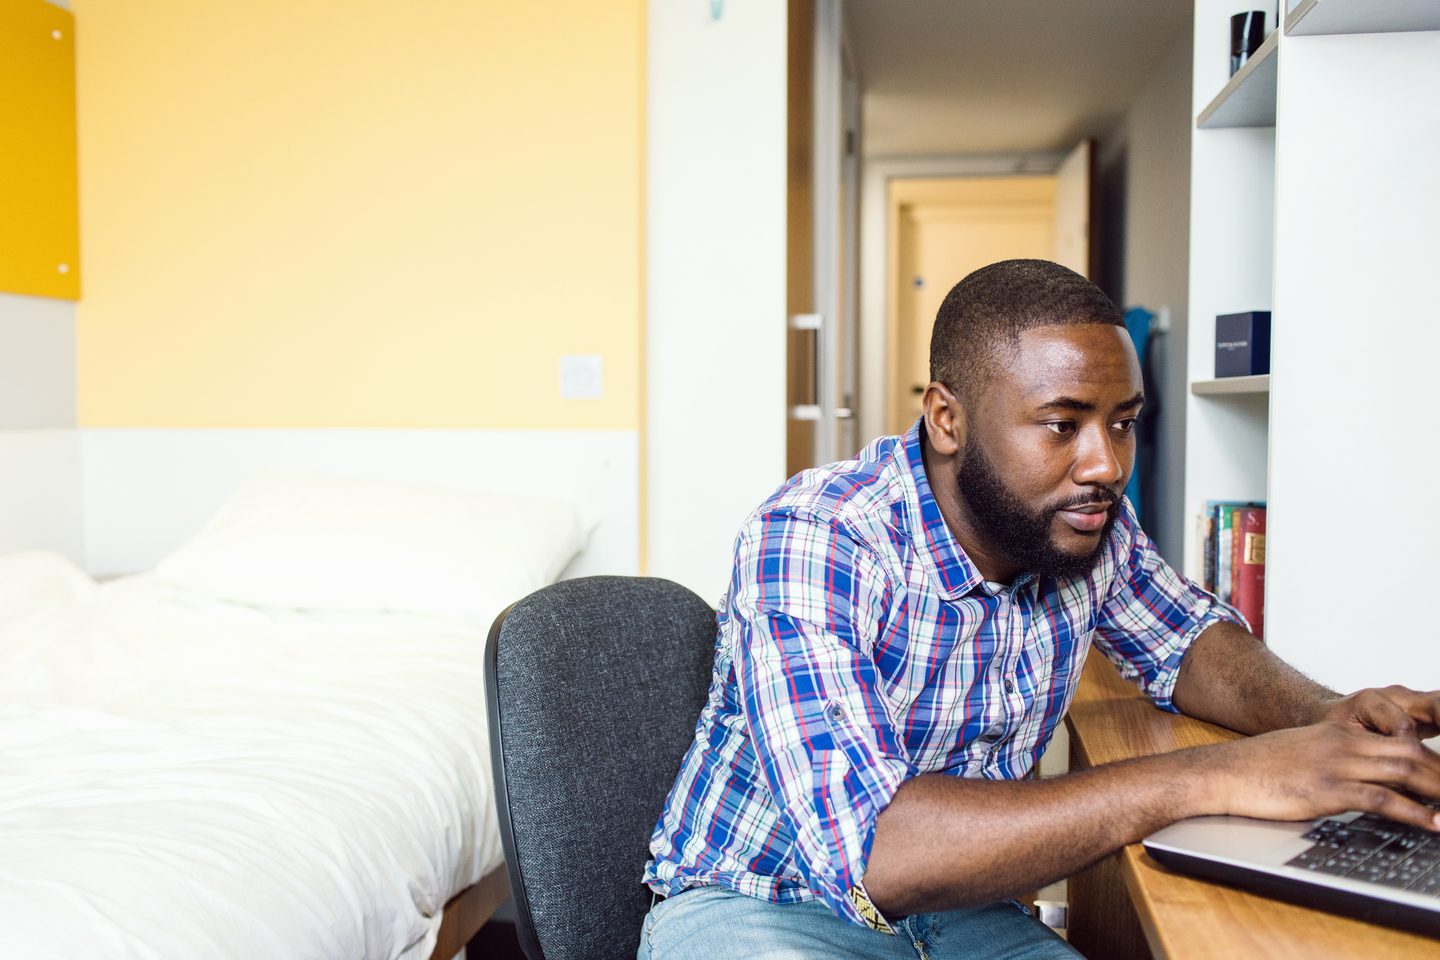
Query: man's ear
[[945, 419]]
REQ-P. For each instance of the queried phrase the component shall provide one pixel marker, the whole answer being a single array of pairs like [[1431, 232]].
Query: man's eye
[[1062, 427], [1127, 425]]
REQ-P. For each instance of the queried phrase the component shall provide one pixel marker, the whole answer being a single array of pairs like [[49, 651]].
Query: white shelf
[[1320, 17], [1248, 100], [1224, 386]]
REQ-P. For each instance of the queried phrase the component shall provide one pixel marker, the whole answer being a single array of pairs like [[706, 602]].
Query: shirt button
[[1009, 685]]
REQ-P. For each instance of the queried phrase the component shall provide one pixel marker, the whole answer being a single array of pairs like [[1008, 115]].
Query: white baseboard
[[145, 491]]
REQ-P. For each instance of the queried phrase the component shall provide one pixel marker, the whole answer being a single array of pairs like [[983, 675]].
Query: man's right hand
[[1324, 769], [947, 841]]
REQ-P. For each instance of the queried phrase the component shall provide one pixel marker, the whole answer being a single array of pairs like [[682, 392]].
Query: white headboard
[[145, 492]]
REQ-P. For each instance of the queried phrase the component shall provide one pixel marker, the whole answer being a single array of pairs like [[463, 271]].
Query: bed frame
[[467, 912]]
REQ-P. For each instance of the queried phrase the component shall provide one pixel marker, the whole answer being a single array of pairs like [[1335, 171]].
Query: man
[[903, 631]]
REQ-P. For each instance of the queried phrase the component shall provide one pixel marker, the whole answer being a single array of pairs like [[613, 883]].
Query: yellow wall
[[362, 213]]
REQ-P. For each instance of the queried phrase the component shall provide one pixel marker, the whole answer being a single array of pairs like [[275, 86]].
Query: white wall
[[1145, 165], [715, 340], [39, 448], [37, 362], [1353, 523], [40, 491], [146, 491]]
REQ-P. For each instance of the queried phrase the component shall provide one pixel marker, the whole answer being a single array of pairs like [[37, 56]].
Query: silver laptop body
[[1386, 877]]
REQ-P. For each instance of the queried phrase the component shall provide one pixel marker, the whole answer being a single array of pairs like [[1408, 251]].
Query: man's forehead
[[1063, 360]]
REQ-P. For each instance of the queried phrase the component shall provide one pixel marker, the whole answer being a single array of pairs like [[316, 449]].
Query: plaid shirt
[[858, 647]]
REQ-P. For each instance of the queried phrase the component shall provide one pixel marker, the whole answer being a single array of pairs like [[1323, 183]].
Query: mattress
[[181, 777]]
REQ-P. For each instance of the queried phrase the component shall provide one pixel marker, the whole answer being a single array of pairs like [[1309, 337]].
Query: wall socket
[[581, 376]]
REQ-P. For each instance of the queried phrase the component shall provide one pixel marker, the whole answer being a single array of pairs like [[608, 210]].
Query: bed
[[274, 743]]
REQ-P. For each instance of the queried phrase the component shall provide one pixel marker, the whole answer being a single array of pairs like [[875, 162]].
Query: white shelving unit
[[1309, 18], [1232, 213], [1324, 214], [1228, 386], [1248, 100]]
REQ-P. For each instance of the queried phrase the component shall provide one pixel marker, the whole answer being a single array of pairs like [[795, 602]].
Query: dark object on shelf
[[1242, 344], [1247, 32]]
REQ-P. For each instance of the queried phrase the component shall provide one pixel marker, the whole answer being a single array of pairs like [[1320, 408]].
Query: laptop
[[1360, 865]]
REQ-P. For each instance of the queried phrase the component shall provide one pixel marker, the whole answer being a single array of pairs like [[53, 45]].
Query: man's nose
[[1098, 461]]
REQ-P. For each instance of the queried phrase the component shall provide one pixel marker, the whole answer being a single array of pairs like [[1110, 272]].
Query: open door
[[1073, 240], [938, 229], [941, 229], [823, 219], [802, 406]]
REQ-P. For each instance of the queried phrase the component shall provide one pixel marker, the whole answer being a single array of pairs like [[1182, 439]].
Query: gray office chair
[[594, 687]]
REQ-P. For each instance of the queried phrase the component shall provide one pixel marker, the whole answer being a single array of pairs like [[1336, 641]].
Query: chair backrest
[[594, 687]]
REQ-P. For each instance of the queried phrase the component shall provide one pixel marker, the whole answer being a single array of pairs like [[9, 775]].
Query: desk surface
[[1184, 917]]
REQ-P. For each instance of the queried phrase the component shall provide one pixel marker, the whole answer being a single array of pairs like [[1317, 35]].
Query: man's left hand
[[1396, 711]]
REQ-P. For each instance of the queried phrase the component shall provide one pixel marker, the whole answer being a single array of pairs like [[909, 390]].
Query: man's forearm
[[945, 842], [1229, 677]]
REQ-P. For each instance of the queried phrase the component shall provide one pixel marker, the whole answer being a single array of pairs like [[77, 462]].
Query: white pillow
[[370, 546]]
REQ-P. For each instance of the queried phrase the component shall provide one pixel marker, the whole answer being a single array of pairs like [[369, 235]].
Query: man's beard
[[1020, 534]]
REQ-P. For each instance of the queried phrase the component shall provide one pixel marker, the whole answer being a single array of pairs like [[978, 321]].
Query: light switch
[[580, 376]]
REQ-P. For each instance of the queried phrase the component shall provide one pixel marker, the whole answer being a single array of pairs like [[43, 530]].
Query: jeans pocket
[[664, 908]]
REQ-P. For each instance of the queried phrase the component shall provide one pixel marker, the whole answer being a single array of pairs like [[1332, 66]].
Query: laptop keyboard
[[1373, 848]]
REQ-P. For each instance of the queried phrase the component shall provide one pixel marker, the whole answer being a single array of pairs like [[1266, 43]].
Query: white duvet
[[181, 778]]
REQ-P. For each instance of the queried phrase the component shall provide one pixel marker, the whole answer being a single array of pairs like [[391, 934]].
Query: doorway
[[941, 230]]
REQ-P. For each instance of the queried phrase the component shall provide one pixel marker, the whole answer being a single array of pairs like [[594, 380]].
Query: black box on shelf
[[1242, 344]]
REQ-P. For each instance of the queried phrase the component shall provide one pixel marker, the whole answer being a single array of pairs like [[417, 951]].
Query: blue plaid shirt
[[858, 647]]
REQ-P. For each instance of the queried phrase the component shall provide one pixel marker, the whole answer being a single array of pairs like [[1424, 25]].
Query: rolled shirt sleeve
[[807, 599], [1152, 614]]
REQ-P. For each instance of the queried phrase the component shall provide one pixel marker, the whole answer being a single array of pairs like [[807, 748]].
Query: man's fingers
[[1374, 798], [1382, 713], [1401, 763], [1396, 711], [1423, 707]]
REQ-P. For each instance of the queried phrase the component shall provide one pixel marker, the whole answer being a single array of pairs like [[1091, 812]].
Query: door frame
[[874, 333]]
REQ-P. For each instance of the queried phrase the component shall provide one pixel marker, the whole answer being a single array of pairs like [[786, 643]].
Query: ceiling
[[990, 76]]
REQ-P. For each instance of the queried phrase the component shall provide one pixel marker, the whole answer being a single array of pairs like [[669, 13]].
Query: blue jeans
[[713, 923]]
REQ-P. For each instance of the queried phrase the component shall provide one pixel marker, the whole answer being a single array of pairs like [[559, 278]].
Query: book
[[1210, 546], [1248, 566], [1205, 534], [1230, 552], [1224, 542]]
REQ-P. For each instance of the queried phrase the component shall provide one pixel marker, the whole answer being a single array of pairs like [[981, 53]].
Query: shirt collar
[[952, 569]]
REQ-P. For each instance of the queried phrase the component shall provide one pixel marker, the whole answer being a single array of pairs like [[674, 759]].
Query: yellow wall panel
[[332, 214], [39, 240]]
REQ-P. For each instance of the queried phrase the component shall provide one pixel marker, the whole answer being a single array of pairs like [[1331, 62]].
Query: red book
[[1247, 566]]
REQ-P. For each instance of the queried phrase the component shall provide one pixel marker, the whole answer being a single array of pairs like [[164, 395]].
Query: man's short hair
[[986, 312]]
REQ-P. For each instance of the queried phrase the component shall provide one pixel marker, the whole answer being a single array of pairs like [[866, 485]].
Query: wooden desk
[[1129, 906]]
